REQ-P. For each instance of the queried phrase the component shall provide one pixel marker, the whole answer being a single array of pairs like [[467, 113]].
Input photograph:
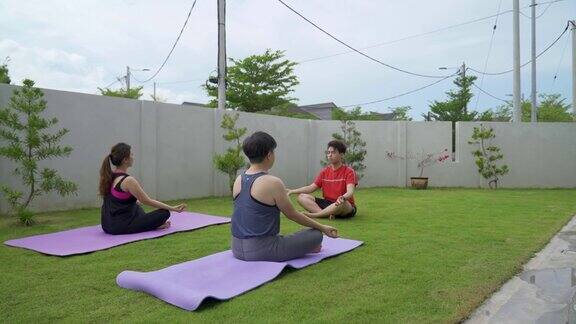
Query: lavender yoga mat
[[93, 238], [219, 275]]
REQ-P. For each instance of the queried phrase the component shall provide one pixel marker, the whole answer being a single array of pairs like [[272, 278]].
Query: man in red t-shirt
[[337, 181]]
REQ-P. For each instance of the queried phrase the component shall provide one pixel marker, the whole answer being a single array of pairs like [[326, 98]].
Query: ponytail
[[105, 176], [119, 153]]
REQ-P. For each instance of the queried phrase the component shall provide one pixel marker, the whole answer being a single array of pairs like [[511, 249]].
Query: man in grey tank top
[[258, 200]]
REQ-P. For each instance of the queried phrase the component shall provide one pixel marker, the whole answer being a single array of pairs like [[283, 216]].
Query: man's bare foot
[[317, 249], [164, 226]]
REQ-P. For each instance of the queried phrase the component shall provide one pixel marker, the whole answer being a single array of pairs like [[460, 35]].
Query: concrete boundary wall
[[174, 147]]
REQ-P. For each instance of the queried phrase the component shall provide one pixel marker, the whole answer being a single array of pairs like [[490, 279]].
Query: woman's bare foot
[[164, 226], [317, 249]]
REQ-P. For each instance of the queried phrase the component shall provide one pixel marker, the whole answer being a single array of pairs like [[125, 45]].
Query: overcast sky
[[82, 45]]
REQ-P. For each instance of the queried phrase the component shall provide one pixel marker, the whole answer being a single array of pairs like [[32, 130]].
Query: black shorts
[[323, 203]]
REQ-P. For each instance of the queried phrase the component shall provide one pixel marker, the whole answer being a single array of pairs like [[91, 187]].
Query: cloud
[[82, 45], [51, 67]]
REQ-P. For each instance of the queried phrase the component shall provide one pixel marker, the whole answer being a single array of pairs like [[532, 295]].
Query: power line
[[523, 65], [544, 11], [561, 59], [550, 3], [525, 15], [408, 37], [544, 2], [489, 94], [346, 52], [181, 81], [401, 94], [428, 32], [356, 50], [488, 55], [173, 46], [112, 83], [133, 77]]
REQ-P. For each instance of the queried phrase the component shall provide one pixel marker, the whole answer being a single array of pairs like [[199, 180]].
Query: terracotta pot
[[419, 183]]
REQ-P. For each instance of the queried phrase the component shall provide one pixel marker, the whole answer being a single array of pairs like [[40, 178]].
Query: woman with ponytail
[[120, 212]]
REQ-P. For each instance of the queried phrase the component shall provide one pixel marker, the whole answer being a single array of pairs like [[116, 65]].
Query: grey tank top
[[253, 218]]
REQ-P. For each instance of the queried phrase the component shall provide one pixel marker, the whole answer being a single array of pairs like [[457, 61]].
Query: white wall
[[174, 146]]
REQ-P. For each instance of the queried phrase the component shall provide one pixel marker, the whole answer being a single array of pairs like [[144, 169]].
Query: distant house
[[324, 111], [321, 111], [194, 104], [386, 116]]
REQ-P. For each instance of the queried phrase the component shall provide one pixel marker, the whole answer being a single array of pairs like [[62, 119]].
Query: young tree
[[502, 113], [4, 77], [231, 161], [257, 82], [133, 93], [456, 107], [552, 108], [352, 114], [355, 147], [487, 155], [401, 112], [28, 141]]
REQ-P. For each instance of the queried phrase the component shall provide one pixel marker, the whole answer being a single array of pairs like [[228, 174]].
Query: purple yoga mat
[[219, 275], [92, 238]]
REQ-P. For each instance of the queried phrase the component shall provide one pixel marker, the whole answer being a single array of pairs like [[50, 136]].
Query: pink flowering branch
[[424, 159]]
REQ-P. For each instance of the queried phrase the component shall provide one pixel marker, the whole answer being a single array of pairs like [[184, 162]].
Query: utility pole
[[221, 54], [573, 23], [517, 117], [155, 91], [534, 112], [127, 79], [463, 73]]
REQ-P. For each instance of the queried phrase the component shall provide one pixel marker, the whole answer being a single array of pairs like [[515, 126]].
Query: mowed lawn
[[428, 256]]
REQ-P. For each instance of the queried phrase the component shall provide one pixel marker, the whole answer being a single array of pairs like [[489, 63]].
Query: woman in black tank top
[[120, 213]]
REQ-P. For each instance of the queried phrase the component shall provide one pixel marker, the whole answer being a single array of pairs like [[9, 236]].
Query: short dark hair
[[257, 146], [338, 146]]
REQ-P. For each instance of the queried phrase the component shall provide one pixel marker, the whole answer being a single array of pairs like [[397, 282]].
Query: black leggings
[[147, 222]]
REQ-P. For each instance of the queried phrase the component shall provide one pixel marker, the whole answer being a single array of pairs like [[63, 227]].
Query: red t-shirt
[[333, 182]]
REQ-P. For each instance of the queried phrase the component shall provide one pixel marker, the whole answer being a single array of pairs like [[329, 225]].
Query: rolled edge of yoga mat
[[220, 275], [164, 290]]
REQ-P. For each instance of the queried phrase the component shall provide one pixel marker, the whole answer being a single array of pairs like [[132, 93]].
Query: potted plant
[[424, 160]]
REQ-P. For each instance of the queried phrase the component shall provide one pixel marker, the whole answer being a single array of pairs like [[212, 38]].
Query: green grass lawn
[[428, 256]]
